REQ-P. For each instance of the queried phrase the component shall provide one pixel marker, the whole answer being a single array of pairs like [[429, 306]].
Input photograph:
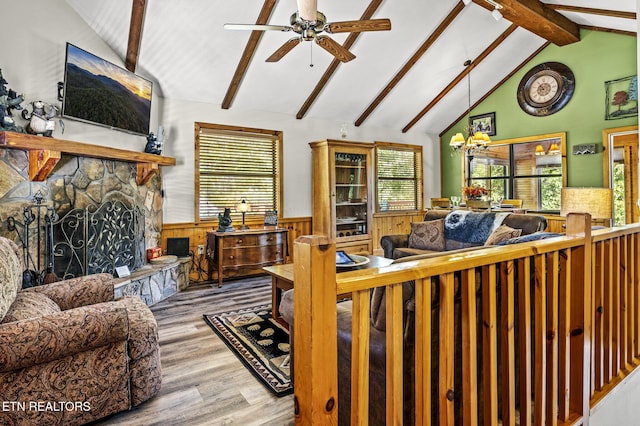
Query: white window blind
[[399, 177], [235, 164]]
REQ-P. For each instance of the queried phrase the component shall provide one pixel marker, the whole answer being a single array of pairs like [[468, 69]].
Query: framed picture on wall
[[485, 123], [621, 98]]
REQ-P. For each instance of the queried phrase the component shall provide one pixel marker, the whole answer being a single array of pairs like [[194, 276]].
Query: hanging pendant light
[[475, 141]]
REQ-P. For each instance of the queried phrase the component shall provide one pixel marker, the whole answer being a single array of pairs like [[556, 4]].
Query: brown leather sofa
[[69, 353], [396, 246]]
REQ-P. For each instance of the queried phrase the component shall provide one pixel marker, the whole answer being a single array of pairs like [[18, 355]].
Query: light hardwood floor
[[203, 382]]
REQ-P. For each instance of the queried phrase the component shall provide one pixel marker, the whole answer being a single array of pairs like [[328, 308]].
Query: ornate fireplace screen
[[85, 241], [88, 242]]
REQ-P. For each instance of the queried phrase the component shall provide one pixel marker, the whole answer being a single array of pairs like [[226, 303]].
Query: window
[[531, 169], [235, 163], [399, 177]]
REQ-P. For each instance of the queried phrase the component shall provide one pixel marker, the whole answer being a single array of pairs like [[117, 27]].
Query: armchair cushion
[[79, 291], [427, 235], [29, 304]]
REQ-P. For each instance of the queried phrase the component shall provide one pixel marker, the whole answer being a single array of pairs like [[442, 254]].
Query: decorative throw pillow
[[502, 233], [427, 235]]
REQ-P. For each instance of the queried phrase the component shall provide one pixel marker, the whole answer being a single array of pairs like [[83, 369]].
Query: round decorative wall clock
[[546, 89]]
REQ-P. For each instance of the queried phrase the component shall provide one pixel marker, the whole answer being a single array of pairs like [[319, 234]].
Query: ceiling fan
[[308, 22]]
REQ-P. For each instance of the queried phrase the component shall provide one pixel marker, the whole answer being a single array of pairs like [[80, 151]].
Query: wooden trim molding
[[44, 154]]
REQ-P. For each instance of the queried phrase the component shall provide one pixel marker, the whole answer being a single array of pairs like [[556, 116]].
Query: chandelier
[[475, 140]]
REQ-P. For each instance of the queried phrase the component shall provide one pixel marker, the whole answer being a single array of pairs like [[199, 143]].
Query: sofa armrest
[[79, 291], [39, 340], [390, 242]]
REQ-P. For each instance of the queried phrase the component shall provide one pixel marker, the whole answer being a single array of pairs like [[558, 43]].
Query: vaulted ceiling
[[411, 78]]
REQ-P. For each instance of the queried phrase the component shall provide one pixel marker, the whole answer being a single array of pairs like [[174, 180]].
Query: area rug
[[261, 343]]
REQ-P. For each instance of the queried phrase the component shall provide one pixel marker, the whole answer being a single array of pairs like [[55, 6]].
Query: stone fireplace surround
[[78, 182]]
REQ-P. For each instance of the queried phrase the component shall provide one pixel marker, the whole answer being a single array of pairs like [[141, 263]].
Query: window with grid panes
[[399, 177], [235, 163], [524, 169]]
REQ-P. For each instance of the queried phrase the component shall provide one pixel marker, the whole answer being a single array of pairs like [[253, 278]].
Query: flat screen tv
[[99, 92]]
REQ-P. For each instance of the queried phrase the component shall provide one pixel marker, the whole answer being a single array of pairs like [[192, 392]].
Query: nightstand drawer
[[255, 255]]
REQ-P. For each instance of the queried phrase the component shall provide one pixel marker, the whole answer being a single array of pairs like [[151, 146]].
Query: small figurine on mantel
[[154, 143], [224, 221], [40, 119], [9, 100]]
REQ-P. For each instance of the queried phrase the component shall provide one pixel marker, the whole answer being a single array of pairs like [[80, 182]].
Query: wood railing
[[547, 329]]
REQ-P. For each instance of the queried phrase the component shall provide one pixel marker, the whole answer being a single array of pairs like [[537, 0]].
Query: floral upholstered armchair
[[69, 353]]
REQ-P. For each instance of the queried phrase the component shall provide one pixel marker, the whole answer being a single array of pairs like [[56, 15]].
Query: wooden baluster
[[446, 390], [524, 339], [361, 314], [507, 350], [394, 331], [489, 345], [469, 348]]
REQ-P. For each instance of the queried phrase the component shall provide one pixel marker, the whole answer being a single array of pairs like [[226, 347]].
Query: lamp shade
[[595, 201], [243, 206]]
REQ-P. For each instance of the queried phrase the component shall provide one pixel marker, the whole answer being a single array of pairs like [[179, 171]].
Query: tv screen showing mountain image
[[99, 92]]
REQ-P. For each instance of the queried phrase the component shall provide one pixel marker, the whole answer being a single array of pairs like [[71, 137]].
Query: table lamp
[[595, 201], [243, 207]]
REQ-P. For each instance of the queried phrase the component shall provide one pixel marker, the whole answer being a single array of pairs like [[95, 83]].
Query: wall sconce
[[243, 207]]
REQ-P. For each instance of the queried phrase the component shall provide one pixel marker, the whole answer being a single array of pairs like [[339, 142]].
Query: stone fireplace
[[102, 217]]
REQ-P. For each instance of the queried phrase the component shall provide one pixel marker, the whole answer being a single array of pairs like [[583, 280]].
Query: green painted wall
[[597, 58]]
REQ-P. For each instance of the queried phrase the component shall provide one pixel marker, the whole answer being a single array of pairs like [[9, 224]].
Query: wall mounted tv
[[99, 92]]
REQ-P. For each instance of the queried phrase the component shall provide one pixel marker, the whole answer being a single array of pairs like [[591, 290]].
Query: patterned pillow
[[502, 233], [30, 304], [427, 235]]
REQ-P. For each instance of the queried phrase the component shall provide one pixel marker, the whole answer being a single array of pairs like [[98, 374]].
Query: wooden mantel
[[44, 154]]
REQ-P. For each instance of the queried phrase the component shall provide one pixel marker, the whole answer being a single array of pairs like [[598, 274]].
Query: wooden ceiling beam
[[460, 76], [247, 55], [592, 11], [538, 18], [333, 66], [411, 62], [138, 9]]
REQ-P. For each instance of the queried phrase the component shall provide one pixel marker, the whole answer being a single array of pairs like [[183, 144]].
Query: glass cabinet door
[[351, 194]]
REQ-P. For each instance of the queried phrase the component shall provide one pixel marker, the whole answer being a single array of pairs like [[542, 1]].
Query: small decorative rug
[[260, 342]]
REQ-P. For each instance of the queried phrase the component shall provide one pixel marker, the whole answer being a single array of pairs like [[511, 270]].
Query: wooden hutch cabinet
[[343, 193]]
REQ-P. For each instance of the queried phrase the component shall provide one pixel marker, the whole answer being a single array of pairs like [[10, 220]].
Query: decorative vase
[[476, 203]]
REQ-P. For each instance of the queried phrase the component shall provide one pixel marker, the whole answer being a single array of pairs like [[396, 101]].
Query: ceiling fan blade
[[307, 9], [257, 27], [284, 49], [335, 48], [358, 26]]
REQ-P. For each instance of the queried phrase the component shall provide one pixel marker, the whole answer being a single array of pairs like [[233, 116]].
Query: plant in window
[[475, 192]]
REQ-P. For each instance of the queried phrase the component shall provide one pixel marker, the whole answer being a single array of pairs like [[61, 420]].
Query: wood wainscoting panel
[[391, 224]]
